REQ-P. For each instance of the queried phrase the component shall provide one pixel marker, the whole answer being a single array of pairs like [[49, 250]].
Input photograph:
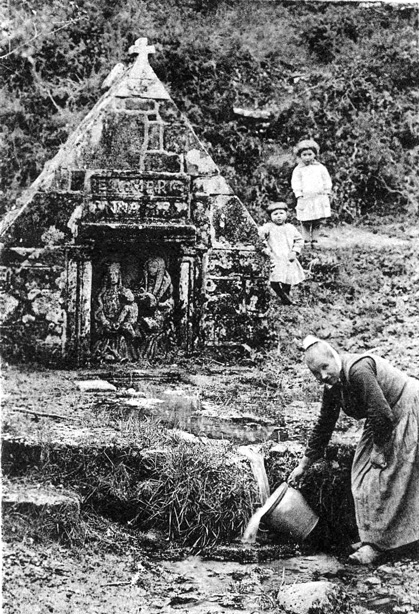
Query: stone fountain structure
[[130, 241]]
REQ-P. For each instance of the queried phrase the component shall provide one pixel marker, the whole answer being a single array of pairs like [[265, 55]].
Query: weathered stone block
[[179, 139], [170, 113], [115, 75], [77, 181], [43, 512], [119, 104], [62, 179], [257, 296], [201, 217], [35, 326], [309, 596], [95, 385], [144, 88], [154, 135], [8, 305], [198, 162], [120, 145], [237, 297], [211, 185], [47, 209], [249, 262], [202, 201], [162, 162], [32, 500], [232, 223], [139, 104]]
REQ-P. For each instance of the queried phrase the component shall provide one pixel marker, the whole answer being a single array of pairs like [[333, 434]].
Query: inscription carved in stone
[[120, 197], [103, 209], [136, 187]]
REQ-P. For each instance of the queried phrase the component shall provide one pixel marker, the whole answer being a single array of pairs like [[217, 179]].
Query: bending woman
[[385, 470]]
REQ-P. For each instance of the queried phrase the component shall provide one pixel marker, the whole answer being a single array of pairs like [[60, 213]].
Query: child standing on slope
[[312, 186], [283, 243]]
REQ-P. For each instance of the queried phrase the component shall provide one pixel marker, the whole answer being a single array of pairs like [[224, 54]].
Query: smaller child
[[128, 317], [312, 186], [283, 242]]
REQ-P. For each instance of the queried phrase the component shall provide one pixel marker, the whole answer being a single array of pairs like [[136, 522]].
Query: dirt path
[[350, 236]]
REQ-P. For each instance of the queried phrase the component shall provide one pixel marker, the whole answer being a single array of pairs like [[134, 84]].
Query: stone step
[[32, 499], [37, 511]]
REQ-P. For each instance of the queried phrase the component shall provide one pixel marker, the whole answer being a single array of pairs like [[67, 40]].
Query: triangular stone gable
[[132, 180], [135, 128]]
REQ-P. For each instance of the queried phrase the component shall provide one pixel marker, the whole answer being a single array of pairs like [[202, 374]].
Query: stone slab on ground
[[141, 403], [121, 377], [38, 512], [30, 499], [95, 385], [303, 598]]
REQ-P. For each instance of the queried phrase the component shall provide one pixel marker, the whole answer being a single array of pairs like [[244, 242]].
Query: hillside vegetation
[[346, 75]]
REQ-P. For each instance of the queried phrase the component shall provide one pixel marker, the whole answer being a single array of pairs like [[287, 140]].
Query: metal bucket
[[290, 512]]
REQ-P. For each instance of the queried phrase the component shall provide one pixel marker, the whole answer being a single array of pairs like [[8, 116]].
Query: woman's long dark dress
[[386, 499]]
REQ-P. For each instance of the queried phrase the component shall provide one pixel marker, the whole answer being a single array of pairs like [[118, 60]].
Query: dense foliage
[[346, 75]]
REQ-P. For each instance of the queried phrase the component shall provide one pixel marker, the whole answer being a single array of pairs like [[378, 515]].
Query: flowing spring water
[[258, 467]]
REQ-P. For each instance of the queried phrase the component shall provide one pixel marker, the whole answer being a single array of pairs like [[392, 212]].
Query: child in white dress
[[312, 186], [283, 244]]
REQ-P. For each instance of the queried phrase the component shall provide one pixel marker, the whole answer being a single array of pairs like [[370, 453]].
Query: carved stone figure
[[127, 327], [106, 314], [155, 304], [131, 323]]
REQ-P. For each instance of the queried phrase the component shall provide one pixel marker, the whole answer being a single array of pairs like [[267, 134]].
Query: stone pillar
[[70, 350], [79, 300], [85, 308], [186, 300]]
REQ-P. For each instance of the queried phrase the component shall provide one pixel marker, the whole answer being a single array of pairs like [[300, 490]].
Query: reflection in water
[[186, 413]]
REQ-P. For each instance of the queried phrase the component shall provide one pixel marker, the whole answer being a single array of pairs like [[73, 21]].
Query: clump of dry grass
[[195, 492], [200, 495]]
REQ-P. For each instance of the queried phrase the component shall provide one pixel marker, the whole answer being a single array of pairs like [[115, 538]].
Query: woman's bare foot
[[356, 546], [365, 555]]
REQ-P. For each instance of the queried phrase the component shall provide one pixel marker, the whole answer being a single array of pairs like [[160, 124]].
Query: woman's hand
[[296, 475]]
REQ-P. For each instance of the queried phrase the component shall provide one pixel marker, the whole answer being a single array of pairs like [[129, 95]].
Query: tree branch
[[6, 55], [42, 414]]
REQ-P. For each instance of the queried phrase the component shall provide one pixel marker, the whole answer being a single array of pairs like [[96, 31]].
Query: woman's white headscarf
[[311, 340]]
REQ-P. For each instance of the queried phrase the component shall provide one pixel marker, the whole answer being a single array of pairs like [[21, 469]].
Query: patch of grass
[[200, 495], [196, 493]]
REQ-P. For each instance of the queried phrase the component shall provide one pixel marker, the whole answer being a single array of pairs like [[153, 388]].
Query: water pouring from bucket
[[286, 511]]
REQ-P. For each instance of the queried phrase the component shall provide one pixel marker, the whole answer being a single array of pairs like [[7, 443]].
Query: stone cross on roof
[[142, 51]]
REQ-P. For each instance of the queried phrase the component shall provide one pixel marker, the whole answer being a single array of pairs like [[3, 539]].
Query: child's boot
[[284, 294]]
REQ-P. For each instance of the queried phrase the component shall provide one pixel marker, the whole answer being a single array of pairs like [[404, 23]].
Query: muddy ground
[[361, 293]]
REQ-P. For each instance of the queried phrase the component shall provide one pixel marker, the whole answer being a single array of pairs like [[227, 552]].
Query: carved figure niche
[[133, 311]]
